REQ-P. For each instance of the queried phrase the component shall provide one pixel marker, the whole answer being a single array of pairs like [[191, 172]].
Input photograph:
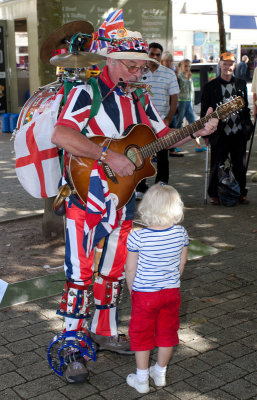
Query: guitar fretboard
[[175, 136]]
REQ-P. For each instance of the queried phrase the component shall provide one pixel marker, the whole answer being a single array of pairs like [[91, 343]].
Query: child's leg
[[140, 380], [158, 371], [142, 359], [164, 356]]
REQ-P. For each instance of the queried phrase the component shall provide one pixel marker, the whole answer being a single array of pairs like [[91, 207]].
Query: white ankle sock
[[142, 374], [160, 370]]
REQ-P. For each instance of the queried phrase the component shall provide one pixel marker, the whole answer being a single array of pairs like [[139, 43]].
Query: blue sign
[[199, 38]]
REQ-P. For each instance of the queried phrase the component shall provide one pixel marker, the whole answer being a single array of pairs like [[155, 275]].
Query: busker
[[126, 62]]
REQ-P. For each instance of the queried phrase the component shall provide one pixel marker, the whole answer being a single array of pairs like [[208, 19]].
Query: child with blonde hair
[[156, 258]]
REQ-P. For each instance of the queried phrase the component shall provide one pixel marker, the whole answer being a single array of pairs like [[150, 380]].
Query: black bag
[[248, 128], [228, 187]]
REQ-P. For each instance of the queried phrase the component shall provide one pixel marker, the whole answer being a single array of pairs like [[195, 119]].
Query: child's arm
[[183, 259], [131, 268]]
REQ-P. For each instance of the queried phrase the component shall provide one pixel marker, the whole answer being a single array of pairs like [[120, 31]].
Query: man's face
[[227, 69], [156, 54], [127, 70]]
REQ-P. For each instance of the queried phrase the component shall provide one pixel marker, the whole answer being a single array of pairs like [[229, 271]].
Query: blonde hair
[[167, 56], [161, 206]]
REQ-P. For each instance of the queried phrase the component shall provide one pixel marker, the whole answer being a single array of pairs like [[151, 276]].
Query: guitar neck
[[175, 136]]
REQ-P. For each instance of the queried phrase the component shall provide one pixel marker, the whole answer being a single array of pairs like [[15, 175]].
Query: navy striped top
[[159, 257]]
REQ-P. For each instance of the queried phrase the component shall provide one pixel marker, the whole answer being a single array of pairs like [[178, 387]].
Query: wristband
[[192, 136], [103, 154]]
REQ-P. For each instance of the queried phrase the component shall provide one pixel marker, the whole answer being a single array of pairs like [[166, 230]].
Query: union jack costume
[[116, 113]]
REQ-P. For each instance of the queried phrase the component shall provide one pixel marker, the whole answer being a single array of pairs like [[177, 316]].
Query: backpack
[[228, 187]]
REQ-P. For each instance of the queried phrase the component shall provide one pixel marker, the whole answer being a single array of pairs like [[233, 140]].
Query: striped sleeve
[[133, 242]]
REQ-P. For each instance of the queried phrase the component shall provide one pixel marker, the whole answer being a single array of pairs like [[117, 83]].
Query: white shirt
[[164, 84], [158, 258]]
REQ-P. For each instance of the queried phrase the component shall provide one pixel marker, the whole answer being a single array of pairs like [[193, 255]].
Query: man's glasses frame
[[133, 69]]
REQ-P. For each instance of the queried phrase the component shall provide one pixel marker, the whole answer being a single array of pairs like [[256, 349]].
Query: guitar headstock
[[223, 111]]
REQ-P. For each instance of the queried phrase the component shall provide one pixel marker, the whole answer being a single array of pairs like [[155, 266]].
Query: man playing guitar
[[126, 62]]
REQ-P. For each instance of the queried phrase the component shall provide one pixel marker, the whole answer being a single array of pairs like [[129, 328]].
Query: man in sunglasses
[[126, 63]]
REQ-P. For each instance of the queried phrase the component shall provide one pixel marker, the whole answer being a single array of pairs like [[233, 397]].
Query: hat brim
[[127, 55]]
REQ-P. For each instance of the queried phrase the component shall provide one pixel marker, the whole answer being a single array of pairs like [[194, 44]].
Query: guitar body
[[80, 167]]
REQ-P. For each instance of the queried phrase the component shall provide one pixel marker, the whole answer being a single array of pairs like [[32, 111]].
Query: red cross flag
[[37, 161]]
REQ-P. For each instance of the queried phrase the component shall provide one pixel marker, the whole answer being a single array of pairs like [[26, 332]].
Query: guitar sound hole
[[134, 155]]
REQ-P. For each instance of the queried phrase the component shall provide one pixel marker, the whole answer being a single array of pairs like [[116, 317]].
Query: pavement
[[217, 355]]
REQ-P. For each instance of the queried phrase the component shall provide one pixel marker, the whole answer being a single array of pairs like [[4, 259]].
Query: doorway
[[22, 60]]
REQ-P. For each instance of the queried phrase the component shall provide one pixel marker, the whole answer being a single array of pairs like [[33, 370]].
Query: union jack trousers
[[79, 270]]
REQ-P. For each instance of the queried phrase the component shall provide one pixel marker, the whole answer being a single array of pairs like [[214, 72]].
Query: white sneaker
[[139, 195], [159, 379], [141, 387]]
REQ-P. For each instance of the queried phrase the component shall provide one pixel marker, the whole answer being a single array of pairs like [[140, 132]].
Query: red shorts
[[154, 319]]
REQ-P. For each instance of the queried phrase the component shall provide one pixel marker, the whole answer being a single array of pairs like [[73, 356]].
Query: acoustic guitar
[[139, 145]]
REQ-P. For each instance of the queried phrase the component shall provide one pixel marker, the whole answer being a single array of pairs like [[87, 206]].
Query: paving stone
[[228, 335], [9, 394], [194, 365], [16, 334], [124, 370], [15, 323], [187, 334], [41, 327], [202, 345], [206, 328], [33, 317], [6, 366], [44, 339], [241, 389], [108, 380], [3, 341], [39, 386], [235, 349], [249, 326], [175, 373], [182, 390], [212, 312], [4, 352], [248, 362], [225, 321], [93, 397], [250, 341], [23, 359], [78, 391], [161, 394], [209, 290], [22, 346], [228, 372], [53, 395], [217, 394], [10, 380], [252, 377], [205, 382], [181, 352], [121, 392], [214, 357], [36, 370]]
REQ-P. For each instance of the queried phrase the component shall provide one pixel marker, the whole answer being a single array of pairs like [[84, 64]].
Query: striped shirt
[[158, 258], [116, 113], [164, 84]]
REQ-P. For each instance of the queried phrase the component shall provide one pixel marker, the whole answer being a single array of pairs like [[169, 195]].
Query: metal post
[[206, 174]]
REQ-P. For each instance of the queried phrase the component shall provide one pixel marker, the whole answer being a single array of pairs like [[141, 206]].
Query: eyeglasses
[[132, 69]]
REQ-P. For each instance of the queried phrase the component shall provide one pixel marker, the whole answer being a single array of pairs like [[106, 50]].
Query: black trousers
[[234, 146]]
